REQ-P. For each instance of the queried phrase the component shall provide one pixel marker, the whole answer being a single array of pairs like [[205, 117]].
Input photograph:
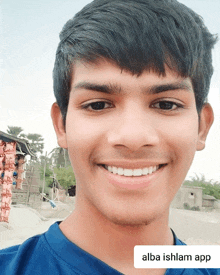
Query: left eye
[[96, 106], [166, 105]]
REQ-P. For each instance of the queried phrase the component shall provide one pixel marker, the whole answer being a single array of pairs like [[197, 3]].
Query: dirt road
[[190, 226], [195, 227]]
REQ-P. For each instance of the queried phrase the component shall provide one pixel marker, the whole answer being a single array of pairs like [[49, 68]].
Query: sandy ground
[[195, 227], [25, 222], [191, 227]]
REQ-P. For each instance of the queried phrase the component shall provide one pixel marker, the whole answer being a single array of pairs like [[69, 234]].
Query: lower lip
[[131, 183]]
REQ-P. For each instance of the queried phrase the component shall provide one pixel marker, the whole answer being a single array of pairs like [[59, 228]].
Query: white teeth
[[121, 171], [150, 170], [115, 170], [137, 172], [128, 172], [145, 171], [132, 172]]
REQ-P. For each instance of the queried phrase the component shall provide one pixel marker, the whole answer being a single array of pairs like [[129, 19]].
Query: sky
[[29, 35]]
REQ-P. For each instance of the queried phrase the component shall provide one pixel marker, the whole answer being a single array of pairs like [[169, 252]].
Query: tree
[[65, 176], [60, 157], [14, 131], [45, 159], [48, 175], [22, 135], [36, 142], [54, 168]]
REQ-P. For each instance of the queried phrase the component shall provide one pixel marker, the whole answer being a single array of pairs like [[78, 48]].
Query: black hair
[[138, 35]]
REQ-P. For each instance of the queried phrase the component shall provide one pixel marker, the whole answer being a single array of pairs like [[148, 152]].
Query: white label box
[[177, 256]]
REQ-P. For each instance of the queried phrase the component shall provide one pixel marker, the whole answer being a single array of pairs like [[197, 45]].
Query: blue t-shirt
[[52, 253]]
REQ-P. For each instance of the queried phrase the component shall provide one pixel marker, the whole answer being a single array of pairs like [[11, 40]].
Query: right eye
[[97, 106]]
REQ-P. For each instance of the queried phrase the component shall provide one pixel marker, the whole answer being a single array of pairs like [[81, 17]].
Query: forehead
[[105, 72]]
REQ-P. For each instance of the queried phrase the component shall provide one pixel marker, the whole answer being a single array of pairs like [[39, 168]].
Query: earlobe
[[205, 123], [58, 125]]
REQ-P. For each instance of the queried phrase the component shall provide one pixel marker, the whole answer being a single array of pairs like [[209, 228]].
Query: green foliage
[[210, 187], [186, 206], [195, 208], [48, 175], [42, 159], [36, 142], [65, 176], [46, 189], [14, 131], [60, 157]]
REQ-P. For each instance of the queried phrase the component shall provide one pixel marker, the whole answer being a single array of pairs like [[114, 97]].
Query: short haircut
[[138, 35]]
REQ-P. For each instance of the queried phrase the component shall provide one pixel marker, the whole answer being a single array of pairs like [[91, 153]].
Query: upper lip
[[131, 164]]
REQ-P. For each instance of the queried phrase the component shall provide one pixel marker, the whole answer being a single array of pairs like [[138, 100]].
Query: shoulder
[[37, 256], [12, 258], [202, 271], [190, 271], [193, 271], [176, 240]]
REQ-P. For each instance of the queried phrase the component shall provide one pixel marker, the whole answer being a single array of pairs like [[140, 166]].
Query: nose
[[134, 130]]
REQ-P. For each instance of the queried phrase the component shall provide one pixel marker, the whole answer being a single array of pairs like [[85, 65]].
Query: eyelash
[[86, 106], [178, 105]]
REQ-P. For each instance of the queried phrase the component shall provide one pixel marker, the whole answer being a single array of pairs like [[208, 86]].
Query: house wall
[[208, 203], [217, 204], [7, 168], [188, 195]]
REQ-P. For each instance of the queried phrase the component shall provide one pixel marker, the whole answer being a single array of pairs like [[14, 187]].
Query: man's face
[[131, 140]]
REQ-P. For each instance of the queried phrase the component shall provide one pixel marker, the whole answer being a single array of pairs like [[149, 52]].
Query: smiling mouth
[[132, 172]]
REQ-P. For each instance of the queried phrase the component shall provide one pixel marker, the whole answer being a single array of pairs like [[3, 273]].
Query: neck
[[113, 243]]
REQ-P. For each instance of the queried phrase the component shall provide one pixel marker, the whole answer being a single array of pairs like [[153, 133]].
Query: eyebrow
[[183, 85], [103, 88], [114, 89]]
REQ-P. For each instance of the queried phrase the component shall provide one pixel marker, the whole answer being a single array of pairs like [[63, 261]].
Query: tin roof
[[22, 145], [208, 197]]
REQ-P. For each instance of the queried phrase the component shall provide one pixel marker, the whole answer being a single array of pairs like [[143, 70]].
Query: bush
[[195, 208], [186, 206], [65, 176]]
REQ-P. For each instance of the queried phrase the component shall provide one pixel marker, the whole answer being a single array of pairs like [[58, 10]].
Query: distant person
[[131, 79]]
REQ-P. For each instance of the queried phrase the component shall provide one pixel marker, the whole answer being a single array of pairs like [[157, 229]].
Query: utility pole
[[45, 164]]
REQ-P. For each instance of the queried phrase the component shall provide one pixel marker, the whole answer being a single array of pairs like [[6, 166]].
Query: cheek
[[180, 144], [83, 138], [182, 139], [188, 131]]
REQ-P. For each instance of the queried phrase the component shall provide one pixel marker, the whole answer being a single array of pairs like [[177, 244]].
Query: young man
[[131, 80]]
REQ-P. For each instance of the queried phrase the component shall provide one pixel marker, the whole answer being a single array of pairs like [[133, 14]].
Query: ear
[[58, 125], [205, 123]]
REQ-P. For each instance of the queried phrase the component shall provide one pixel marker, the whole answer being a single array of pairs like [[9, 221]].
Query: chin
[[129, 222], [131, 219]]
